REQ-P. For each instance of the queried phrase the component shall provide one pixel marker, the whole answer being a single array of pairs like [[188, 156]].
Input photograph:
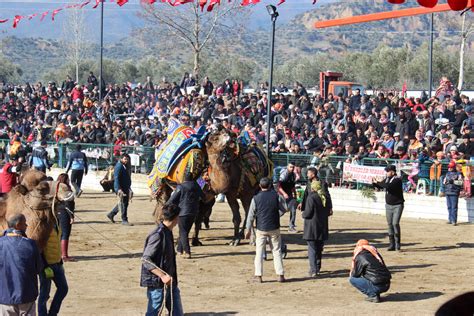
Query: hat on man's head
[[396, 134], [429, 133], [452, 164], [445, 136], [391, 168]]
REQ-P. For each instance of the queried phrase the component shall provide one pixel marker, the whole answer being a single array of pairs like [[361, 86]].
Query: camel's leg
[[161, 199], [236, 219]]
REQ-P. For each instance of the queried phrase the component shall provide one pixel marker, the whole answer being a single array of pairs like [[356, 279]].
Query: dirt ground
[[435, 265]]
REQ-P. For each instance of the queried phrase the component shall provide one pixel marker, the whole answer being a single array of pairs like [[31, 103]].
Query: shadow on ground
[[210, 314], [411, 296]]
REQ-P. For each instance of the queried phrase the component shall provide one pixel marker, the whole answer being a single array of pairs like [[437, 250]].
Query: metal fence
[[330, 168]]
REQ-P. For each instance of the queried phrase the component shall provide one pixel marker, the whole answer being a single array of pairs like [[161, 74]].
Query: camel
[[34, 197], [234, 170]]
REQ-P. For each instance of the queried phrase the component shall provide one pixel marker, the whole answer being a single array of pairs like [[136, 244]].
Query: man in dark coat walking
[[187, 196], [316, 231], [122, 186]]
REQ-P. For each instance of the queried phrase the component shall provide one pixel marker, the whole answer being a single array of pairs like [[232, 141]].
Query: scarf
[[317, 187], [361, 245]]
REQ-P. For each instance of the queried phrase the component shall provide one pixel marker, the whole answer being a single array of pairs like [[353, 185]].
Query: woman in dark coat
[[316, 231], [66, 219]]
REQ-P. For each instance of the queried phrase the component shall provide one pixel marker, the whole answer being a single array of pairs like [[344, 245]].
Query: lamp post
[[430, 58], [101, 67], [273, 15]]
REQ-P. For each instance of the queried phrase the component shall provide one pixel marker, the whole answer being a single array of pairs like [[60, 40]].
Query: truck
[[330, 82]]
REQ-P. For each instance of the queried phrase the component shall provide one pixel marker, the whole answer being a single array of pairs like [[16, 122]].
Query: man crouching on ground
[[369, 274], [266, 207], [159, 273]]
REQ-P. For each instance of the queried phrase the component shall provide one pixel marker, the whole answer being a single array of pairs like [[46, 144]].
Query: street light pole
[[274, 15], [101, 49], [430, 60]]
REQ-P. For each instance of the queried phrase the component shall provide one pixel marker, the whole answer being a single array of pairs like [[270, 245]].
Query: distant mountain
[[37, 49], [119, 22]]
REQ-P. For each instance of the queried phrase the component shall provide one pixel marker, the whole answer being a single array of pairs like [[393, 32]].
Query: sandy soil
[[434, 266]]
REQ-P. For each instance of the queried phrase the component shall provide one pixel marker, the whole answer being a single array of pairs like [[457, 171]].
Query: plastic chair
[[421, 186]]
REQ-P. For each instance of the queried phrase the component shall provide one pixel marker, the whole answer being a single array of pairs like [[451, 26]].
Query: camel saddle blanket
[[256, 164]]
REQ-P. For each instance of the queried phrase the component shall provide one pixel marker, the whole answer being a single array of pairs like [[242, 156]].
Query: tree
[[193, 27], [466, 30], [75, 38], [9, 72]]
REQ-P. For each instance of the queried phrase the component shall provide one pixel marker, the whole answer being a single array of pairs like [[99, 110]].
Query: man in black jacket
[[394, 203], [187, 196], [369, 273], [159, 265], [266, 207], [122, 187]]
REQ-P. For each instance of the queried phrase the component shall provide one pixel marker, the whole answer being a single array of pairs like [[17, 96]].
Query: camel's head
[[43, 194], [222, 147]]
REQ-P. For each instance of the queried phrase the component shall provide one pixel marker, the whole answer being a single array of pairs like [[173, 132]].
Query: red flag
[[16, 20], [281, 1], [212, 3], [314, 1], [55, 12], [249, 2], [121, 2], [3, 21], [179, 2], [404, 89], [32, 16], [97, 2], [202, 4], [44, 15], [84, 4]]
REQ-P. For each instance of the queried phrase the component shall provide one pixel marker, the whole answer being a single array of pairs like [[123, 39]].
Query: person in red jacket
[[8, 176]]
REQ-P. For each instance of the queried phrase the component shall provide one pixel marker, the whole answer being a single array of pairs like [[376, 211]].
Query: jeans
[[291, 204], [59, 280], [442, 187], [185, 223], [155, 301], [367, 287], [393, 214], [124, 208], [315, 255], [275, 244], [452, 202], [76, 179]]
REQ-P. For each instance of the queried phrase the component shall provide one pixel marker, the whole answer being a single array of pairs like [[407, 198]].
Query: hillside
[[295, 39]]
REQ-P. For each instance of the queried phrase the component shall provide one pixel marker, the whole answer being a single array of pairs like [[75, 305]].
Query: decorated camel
[[35, 198], [234, 169]]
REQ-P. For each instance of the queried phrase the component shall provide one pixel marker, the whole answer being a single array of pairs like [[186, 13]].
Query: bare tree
[[193, 27], [74, 34], [466, 30]]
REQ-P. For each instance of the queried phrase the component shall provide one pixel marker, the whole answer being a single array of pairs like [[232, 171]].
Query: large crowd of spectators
[[357, 126]]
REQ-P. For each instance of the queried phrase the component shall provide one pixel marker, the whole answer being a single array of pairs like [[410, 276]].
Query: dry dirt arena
[[435, 265]]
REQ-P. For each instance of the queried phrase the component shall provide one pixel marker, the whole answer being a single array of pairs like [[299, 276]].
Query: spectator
[[39, 158], [453, 184], [122, 187], [53, 272], [187, 196], [21, 263], [316, 227], [369, 274], [66, 219], [394, 203], [78, 163], [9, 175], [266, 208]]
